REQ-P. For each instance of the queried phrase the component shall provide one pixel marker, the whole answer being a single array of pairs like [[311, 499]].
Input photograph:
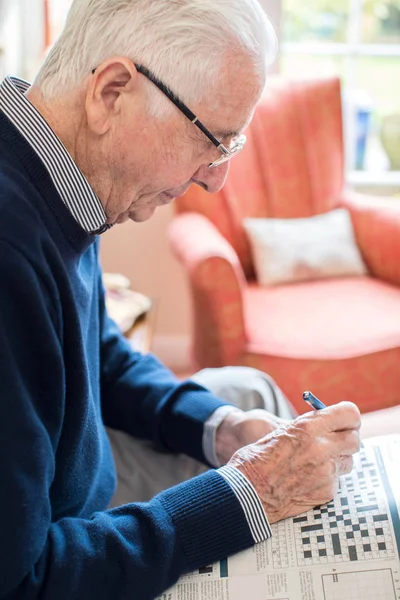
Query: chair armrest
[[217, 281], [376, 222]]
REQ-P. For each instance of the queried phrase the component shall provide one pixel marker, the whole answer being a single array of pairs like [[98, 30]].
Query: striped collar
[[67, 178]]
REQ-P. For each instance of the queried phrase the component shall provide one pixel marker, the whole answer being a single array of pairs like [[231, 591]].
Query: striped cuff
[[210, 432], [250, 503]]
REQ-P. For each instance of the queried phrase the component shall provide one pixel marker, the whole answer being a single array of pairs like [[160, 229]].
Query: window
[[359, 41]]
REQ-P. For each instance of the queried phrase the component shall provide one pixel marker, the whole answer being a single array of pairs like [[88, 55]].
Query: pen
[[313, 401]]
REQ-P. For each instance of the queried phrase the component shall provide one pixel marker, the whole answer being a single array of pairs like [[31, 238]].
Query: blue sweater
[[65, 372]]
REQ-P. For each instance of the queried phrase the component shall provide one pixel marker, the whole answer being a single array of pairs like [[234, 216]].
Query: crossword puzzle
[[352, 527]]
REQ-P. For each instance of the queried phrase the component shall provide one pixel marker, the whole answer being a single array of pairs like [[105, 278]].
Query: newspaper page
[[345, 550]]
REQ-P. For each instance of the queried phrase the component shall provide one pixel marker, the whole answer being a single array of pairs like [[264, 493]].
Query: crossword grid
[[352, 527]]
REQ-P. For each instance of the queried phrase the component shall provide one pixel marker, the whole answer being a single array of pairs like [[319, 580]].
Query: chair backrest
[[292, 165]]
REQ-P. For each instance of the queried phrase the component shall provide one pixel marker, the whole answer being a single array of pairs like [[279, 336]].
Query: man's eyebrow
[[226, 134]]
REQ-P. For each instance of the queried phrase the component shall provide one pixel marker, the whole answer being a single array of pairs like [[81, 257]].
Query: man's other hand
[[297, 467], [241, 428]]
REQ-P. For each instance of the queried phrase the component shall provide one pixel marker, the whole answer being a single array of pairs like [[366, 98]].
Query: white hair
[[183, 42]]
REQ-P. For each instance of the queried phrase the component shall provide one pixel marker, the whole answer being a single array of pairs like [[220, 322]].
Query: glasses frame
[[227, 153]]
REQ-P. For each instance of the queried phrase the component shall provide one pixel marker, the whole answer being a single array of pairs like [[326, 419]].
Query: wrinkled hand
[[297, 467], [241, 428]]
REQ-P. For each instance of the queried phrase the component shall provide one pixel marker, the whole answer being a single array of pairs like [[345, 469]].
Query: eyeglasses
[[237, 143]]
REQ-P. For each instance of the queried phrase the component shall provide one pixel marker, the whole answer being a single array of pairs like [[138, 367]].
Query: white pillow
[[287, 250]]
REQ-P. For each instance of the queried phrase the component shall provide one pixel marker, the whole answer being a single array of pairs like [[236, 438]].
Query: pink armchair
[[338, 337]]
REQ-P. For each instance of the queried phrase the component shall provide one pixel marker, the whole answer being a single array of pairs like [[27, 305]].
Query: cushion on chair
[[312, 319], [286, 250]]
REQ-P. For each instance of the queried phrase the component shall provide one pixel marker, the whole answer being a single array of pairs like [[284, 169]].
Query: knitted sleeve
[[144, 398]]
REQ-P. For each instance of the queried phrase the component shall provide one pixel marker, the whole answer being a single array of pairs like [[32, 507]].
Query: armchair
[[338, 337]]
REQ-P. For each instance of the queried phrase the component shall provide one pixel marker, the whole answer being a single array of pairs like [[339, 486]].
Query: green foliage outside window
[[327, 21]]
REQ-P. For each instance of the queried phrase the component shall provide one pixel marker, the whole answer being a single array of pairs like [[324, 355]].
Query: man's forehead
[[231, 133], [231, 113]]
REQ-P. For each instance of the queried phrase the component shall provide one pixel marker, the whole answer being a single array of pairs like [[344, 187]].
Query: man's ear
[[108, 82]]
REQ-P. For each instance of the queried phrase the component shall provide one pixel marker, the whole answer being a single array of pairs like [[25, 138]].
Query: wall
[[21, 37], [141, 252], [10, 37]]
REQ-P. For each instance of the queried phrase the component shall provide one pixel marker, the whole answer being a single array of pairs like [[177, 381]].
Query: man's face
[[143, 162]]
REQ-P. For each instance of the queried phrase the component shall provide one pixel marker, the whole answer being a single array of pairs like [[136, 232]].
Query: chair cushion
[[339, 338], [327, 319], [286, 250]]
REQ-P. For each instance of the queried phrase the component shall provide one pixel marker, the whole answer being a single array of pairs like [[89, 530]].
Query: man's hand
[[297, 467], [241, 428]]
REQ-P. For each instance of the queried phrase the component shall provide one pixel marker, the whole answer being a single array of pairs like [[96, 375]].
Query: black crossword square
[[367, 547]]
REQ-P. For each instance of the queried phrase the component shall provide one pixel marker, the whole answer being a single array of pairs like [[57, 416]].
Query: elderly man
[[98, 139]]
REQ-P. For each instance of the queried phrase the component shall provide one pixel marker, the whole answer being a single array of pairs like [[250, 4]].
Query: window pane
[[381, 22], [379, 79], [315, 20], [307, 65]]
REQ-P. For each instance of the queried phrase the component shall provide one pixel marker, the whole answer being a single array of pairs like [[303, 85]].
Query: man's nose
[[212, 180]]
